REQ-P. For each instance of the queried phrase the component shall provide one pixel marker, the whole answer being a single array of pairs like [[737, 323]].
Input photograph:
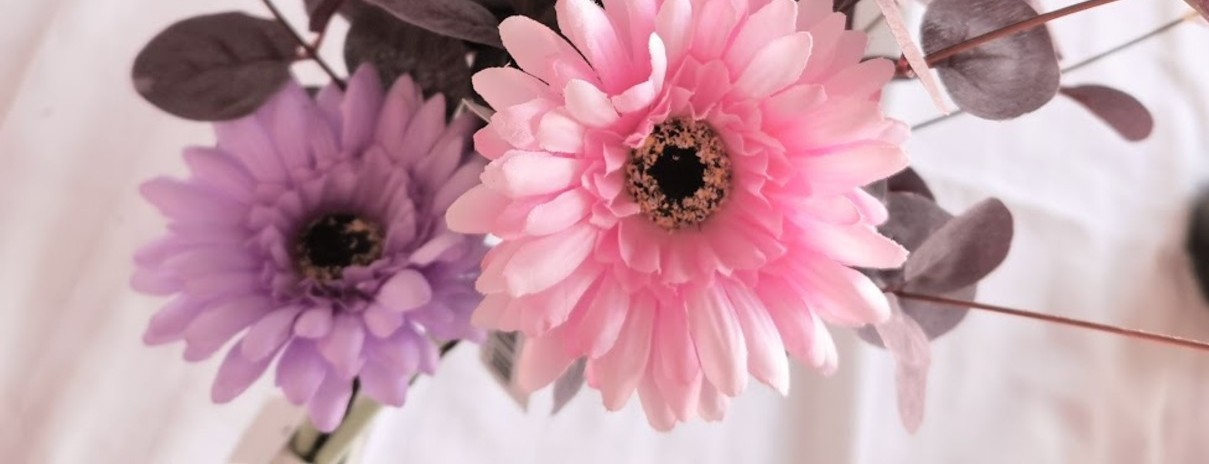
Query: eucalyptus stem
[[1011, 29], [1084, 62], [1060, 320], [310, 51]]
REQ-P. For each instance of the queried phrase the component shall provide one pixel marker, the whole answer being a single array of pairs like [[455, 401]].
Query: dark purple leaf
[[1119, 110], [1001, 79], [460, 19], [347, 8], [962, 252], [908, 180], [1201, 6], [908, 344], [913, 218], [215, 67], [437, 63], [567, 386]]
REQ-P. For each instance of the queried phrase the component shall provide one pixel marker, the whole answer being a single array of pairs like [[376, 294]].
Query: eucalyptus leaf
[[215, 67], [436, 63], [914, 218], [1000, 79], [567, 386], [1121, 111], [908, 180], [962, 252], [460, 19], [347, 8]]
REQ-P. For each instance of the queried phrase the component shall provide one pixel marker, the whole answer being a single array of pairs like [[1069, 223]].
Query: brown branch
[[1129, 333], [309, 51]]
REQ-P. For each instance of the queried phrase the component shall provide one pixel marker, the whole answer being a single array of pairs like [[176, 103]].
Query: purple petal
[[221, 171], [154, 282], [221, 322], [188, 202], [362, 103], [269, 333], [384, 384], [235, 375], [342, 347], [380, 321], [314, 323], [327, 407], [405, 291], [169, 323], [300, 371]]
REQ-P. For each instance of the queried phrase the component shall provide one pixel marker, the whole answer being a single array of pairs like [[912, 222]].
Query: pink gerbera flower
[[678, 191], [315, 228]]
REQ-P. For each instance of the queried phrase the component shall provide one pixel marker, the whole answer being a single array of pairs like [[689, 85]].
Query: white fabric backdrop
[[1099, 224]]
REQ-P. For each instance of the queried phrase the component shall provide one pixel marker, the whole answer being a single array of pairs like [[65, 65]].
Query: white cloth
[[1099, 224]]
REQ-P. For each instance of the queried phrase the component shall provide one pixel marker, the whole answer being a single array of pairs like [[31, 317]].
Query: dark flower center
[[336, 241], [680, 174]]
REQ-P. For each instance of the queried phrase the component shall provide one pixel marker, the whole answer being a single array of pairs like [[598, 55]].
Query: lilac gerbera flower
[[315, 228]]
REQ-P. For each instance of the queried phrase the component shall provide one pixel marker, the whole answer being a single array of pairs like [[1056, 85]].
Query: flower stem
[[1085, 62], [310, 52], [1128, 333], [1009, 30]]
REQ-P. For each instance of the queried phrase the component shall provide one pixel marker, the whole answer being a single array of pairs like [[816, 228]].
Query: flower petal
[[776, 66], [543, 262], [235, 375], [719, 339], [269, 333], [405, 291]]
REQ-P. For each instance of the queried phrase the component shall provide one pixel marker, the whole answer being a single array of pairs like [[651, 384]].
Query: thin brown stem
[[881, 18], [1011, 29], [1084, 62], [1129, 333], [309, 51]]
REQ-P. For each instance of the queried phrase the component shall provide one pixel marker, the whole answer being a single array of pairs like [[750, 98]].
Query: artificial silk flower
[[678, 194], [316, 229]]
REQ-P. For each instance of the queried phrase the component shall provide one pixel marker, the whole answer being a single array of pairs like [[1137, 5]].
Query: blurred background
[[1099, 233]]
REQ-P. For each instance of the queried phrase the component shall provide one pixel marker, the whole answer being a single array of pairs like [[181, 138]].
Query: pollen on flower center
[[336, 241], [680, 174]]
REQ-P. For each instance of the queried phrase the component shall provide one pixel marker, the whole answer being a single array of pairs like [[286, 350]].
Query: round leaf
[[1120, 110], [908, 180], [215, 67], [913, 218], [962, 252], [460, 19], [1001, 79], [436, 63]]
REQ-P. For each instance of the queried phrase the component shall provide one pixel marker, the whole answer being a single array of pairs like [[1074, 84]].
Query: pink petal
[[405, 291], [713, 25], [559, 133], [776, 66], [862, 80], [772, 21], [810, 12], [597, 331], [858, 245], [586, 25], [658, 413], [542, 360], [719, 339], [487, 313], [832, 209], [535, 48], [589, 105], [558, 214], [523, 173], [843, 295], [504, 87], [843, 171], [543, 262], [766, 353], [458, 184], [713, 404], [269, 333], [642, 94], [872, 210], [300, 371], [674, 25], [622, 368], [544, 310], [475, 211], [235, 375]]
